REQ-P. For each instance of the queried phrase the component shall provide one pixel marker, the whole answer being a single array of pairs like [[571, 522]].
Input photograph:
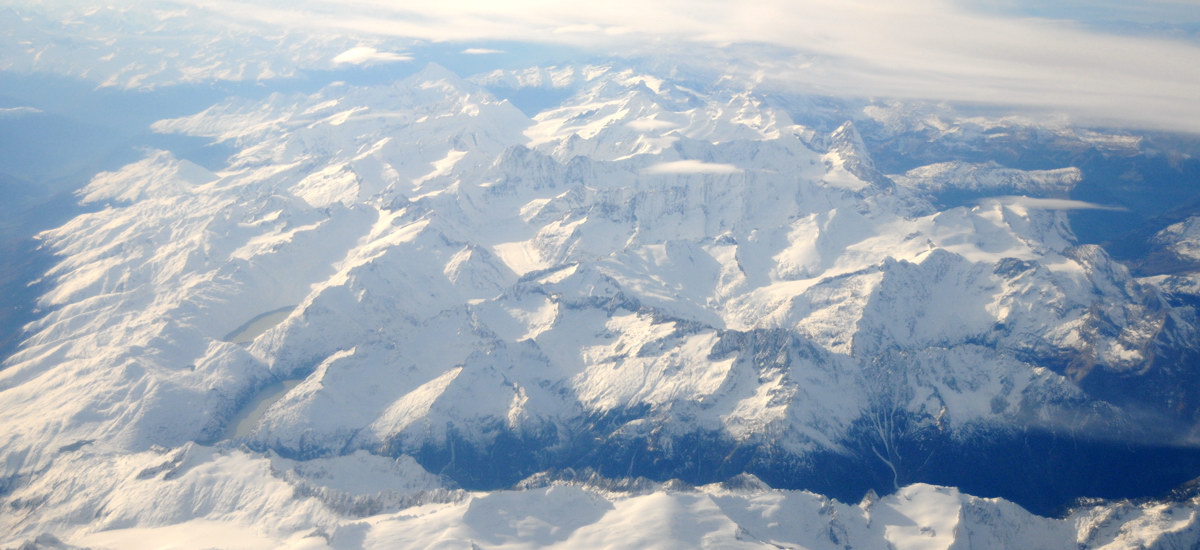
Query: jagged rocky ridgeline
[[647, 279]]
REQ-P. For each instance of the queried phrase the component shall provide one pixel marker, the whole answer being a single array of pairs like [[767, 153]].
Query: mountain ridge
[[629, 282]]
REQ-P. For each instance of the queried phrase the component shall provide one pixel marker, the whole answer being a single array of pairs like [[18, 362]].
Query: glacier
[[411, 312]]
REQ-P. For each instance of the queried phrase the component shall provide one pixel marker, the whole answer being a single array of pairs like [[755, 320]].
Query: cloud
[[1033, 203], [650, 124], [481, 51], [691, 167], [951, 50], [366, 55], [13, 112]]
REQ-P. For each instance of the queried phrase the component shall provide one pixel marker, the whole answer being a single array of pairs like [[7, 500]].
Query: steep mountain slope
[[647, 279]]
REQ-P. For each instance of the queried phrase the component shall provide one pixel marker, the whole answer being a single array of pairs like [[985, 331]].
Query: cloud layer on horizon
[[923, 49], [977, 51]]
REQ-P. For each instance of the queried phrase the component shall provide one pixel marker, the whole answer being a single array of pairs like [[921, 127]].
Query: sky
[[1102, 62]]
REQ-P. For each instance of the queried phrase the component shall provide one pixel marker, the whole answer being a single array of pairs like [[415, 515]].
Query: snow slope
[[741, 515], [685, 281]]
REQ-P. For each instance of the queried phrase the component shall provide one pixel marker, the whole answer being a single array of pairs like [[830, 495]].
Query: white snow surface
[[1182, 239], [918, 517], [456, 266]]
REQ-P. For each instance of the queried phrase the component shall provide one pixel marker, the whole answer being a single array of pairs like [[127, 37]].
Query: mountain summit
[[393, 293]]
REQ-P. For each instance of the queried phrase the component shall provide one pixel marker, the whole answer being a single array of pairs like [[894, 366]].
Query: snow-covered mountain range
[[395, 294]]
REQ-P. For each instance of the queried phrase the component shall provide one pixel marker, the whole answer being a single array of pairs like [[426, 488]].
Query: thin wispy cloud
[[1035, 203], [691, 167], [366, 55], [13, 112]]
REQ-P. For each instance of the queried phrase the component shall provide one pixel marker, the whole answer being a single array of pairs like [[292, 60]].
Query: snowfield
[[397, 300]]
